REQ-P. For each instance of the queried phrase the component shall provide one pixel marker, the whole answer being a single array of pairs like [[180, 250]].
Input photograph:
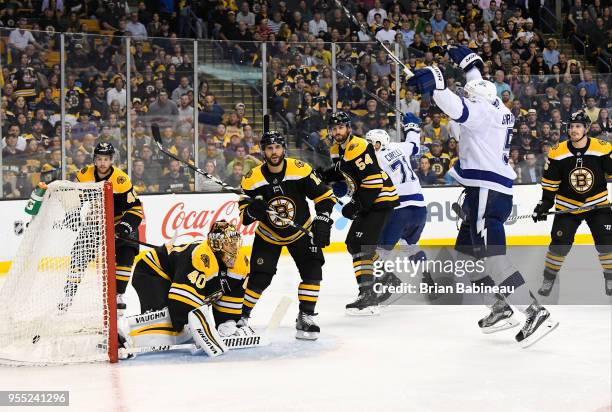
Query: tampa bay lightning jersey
[[486, 133], [395, 161]]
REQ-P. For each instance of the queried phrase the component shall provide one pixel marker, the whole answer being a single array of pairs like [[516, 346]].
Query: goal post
[[58, 300]]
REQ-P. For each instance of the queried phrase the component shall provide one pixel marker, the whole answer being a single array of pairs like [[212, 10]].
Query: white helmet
[[378, 135], [481, 90]]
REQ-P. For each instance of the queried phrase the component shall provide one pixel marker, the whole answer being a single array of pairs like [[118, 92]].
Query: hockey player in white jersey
[[486, 132], [408, 219]]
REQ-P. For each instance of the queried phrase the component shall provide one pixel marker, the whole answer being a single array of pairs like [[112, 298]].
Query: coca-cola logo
[[196, 223]]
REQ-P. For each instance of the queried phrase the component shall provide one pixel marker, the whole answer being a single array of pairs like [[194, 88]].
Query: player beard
[[345, 137], [275, 160]]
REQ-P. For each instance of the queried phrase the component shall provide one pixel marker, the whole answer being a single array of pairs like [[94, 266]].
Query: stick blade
[[278, 314], [156, 133]]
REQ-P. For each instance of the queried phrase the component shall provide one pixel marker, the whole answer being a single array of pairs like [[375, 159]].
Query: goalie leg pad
[[153, 328], [204, 332]]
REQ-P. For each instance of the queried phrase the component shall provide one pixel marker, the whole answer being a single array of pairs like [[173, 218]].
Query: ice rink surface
[[410, 358]]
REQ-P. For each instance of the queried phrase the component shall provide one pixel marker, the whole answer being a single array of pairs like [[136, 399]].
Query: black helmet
[[272, 137], [105, 149], [339, 118], [580, 117]]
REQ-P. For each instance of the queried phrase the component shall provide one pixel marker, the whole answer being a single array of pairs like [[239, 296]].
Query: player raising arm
[[373, 199], [408, 218], [284, 185], [178, 284], [575, 176], [486, 132]]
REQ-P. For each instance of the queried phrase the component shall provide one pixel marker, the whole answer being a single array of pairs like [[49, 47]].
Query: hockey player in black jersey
[[373, 199], [283, 184], [575, 176]]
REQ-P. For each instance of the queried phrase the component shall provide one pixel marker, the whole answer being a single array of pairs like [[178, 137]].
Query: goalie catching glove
[[321, 230], [427, 80], [465, 58]]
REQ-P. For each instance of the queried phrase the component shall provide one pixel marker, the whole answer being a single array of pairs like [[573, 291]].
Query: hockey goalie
[[191, 292]]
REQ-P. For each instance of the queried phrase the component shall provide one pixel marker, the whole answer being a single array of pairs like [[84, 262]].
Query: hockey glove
[[257, 209], [351, 209], [328, 175], [427, 80], [321, 230], [340, 189], [539, 213], [465, 58], [123, 229], [411, 123]]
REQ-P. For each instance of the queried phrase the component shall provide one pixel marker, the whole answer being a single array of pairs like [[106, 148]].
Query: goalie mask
[[477, 90], [225, 240]]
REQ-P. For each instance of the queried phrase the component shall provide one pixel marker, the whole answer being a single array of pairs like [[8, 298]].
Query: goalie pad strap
[[204, 332]]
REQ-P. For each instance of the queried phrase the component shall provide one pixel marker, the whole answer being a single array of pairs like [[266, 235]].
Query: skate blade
[[369, 311], [303, 335], [499, 326], [394, 297], [544, 329]]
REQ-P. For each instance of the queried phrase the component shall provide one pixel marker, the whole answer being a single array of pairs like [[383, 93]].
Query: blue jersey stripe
[[464, 114], [416, 196], [477, 174]]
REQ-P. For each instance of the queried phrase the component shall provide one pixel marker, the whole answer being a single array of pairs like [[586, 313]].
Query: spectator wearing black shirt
[[174, 180]]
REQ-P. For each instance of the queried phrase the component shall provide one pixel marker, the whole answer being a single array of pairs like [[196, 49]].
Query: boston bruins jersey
[[286, 194], [195, 274], [577, 177], [355, 162], [439, 164], [128, 207]]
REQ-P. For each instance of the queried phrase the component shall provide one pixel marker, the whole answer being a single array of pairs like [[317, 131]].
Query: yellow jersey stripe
[[325, 195]]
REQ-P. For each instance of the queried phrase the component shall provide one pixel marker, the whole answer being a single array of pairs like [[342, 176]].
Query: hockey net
[[57, 303]]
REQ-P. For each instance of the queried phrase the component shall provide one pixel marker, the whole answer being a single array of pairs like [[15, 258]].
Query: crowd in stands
[[541, 85]]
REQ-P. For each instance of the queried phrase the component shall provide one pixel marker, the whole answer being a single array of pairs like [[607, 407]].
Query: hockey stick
[[367, 31], [459, 212], [233, 342], [372, 95], [136, 241], [157, 137]]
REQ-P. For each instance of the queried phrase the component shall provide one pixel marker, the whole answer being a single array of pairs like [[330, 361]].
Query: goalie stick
[[459, 212], [367, 31], [239, 342], [157, 137]]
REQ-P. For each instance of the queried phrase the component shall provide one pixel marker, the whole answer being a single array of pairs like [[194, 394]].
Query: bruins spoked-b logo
[[284, 208], [581, 179]]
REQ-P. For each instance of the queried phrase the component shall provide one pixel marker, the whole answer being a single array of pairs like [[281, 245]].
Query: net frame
[[82, 336]]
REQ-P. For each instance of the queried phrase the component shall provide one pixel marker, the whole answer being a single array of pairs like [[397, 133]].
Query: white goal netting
[[54, 305]]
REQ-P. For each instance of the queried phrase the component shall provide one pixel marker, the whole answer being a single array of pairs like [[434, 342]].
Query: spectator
[[551, 54], [207, 185], [436, 131], [136, 28], [386, 33], [235, 177], [117, 93], [604, 122], [185, 114], [376, 10], [591, 109], [21, 37], [163, 111], [529, 171], [245, 15], [409, 105], [183, 88], [211, 113], [380, 67], [426, 176], [437, 22], [174, 180], [141, 180]]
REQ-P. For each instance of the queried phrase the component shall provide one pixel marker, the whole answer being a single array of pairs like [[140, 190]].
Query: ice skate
[[547, 285], [387, 298], [305, 326], [537, 325], [366, 304], [500, 318]]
